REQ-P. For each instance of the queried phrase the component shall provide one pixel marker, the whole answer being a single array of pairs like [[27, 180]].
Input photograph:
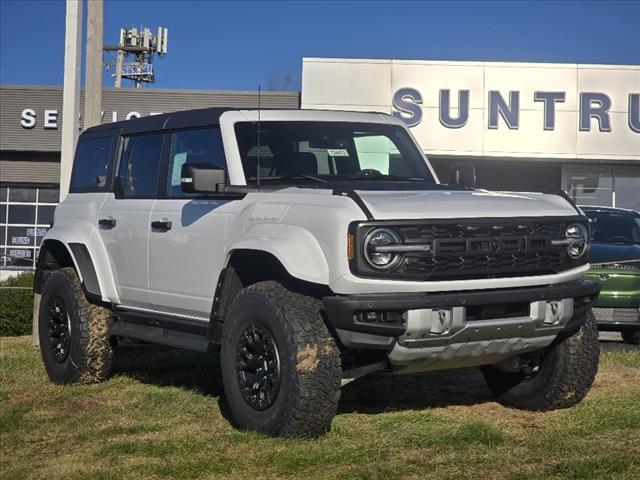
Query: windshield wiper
[[382, 176], [292, 177]]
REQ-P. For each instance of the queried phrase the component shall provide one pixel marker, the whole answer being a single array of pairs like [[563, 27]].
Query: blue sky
[[240, 45]]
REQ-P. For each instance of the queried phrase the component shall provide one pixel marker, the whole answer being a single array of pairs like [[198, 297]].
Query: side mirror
[[202, 178], [463, 174]]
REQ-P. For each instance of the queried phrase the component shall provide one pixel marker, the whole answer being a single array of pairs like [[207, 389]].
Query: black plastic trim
[[341, 309], [160, 336], [353, 195], [165, 321], [87, 270], [565, 195]]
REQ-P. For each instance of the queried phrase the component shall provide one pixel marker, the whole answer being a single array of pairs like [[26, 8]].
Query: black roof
[[165, 121]]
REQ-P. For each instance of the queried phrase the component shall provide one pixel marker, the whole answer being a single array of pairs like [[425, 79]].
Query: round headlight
[[579, 233], [377, 257]]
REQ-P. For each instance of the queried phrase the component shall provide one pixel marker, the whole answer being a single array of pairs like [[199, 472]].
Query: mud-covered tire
[[631, 337], [308, 358], [564, 377], [86, 353]]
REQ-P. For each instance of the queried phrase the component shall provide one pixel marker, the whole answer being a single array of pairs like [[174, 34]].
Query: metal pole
[[70, 112], [119, 60], [93, 77], [71, 92]]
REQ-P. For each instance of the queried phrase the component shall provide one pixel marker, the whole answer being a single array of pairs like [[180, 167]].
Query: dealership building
[[525, 127]]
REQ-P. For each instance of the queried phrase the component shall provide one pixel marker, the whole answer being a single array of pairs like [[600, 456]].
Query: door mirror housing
[[202, 178], [463, 174]]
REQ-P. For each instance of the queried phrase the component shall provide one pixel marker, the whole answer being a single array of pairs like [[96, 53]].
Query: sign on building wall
[[31, 116], [491, 109]]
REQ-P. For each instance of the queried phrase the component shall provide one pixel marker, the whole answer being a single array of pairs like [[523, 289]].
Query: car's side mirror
[[463, 174], [202, 178]]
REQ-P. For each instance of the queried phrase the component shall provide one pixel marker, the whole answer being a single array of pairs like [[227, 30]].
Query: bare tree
[[274, 84]]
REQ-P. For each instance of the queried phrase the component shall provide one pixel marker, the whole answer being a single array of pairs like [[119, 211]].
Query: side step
[[349, 376], [161, 336]]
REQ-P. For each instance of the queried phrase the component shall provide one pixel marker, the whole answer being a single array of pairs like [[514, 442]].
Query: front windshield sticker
[[337, 152]]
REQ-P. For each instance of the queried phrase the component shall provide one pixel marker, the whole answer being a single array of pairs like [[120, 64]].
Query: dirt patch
[[613, 378], [307, 359]]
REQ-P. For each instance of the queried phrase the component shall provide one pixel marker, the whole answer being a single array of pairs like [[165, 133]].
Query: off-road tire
[[565, 375], [310, 369], [631, 337], [90, 351]]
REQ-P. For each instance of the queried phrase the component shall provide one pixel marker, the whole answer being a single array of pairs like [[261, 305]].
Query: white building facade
[[525, 126]]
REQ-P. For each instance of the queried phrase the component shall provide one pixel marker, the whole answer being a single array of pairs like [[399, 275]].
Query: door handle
[[161, 225], [107, 223]]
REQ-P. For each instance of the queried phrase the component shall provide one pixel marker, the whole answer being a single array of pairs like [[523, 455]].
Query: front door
[[186, 246], [124, 219]]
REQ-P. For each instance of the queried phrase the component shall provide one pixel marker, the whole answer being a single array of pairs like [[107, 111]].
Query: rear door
[[186, 246], [124, 219]]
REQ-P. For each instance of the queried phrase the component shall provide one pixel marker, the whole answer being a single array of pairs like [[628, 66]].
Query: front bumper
[[443, 330]]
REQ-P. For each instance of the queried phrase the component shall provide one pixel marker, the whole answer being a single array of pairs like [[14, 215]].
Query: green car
[[615, 264]]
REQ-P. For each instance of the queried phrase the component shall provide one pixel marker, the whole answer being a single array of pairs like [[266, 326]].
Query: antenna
[[142, 44], [259, 147]]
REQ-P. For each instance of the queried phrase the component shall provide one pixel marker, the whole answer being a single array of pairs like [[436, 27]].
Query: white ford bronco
[[310, 248]]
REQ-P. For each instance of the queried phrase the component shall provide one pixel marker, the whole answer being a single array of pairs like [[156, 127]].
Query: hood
[[392, 205], [612, 252]]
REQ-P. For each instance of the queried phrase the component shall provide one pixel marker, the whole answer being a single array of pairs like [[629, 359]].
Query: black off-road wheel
[[280, 364], [631, 337], [74, 334], [557, 377]]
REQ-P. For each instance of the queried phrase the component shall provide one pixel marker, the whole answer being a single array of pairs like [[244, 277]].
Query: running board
[[160, 336], [349, 376]]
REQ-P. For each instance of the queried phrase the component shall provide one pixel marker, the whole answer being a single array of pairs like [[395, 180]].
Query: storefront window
[[22, 194], [26, 214], [627, 187], [606, 186]]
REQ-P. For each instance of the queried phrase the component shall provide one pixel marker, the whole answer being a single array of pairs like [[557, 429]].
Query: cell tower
[[143, 45]]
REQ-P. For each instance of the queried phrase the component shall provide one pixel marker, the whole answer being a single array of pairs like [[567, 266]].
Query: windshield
[[614, 227], [329, 151]]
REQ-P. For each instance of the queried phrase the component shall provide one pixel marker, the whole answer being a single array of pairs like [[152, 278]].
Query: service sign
[[491, 109]]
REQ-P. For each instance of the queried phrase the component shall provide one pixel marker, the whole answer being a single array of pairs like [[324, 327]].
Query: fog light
[[379, 317]]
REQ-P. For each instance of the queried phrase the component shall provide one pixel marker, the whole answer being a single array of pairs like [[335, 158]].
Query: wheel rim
[[59, 326], [258, 367]]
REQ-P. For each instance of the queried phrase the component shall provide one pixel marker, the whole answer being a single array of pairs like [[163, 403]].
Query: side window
[[139, 165], [91, 163], [193, 146]]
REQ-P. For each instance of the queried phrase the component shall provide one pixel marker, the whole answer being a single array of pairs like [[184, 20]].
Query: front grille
[[477, 248], [616, 314]]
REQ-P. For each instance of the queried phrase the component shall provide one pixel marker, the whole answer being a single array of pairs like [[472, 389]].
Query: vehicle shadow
[[385, 392], [376, 393], [166, 366]]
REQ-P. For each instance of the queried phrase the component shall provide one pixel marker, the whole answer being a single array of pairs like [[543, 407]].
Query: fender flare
[[89, 257], [294, 247]]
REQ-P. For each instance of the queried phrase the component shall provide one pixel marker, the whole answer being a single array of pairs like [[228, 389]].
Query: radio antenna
[[259, 147]]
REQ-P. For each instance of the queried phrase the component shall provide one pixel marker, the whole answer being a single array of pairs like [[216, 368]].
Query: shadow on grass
[[165, 366], [384, 392], [200, 372]]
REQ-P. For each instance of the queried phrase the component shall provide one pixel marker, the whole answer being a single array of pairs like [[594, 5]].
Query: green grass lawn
[[159, 417]]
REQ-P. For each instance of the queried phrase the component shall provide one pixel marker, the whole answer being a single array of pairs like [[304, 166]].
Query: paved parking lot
[[612, 341]]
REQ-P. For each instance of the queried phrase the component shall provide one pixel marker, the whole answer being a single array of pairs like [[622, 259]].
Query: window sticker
[[179, 159], [338, 152]]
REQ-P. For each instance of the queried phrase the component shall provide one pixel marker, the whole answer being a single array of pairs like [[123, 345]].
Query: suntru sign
[[593, 106], [491, 109]]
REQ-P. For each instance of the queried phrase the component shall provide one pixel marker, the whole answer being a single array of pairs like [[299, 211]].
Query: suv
[[615, 262], [310, 248]]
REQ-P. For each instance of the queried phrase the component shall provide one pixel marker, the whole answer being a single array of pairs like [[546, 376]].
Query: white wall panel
[[353, 84]]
